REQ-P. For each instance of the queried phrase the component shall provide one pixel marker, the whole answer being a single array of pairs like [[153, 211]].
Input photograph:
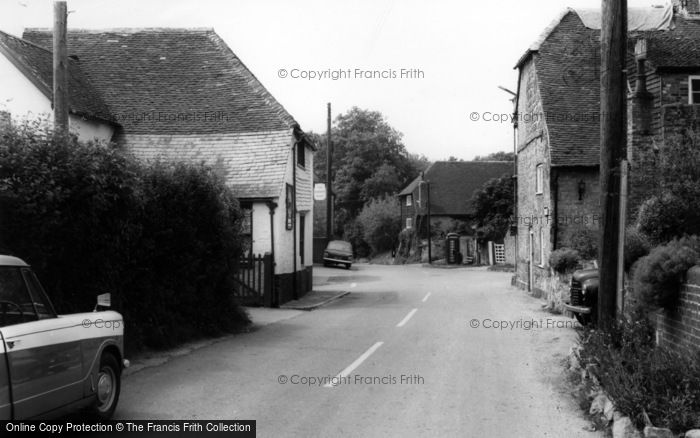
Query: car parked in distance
[[338, 252], [52, 364], [583, 297]]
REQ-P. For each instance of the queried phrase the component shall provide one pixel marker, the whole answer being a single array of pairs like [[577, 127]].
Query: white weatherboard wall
[[261, 228], [24, 101]]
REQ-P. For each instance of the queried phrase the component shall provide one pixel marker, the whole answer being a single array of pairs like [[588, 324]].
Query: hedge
[[90, 218]]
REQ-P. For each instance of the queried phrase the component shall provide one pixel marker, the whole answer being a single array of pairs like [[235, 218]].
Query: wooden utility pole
[[60, 67], [329, 189], [613, 141]]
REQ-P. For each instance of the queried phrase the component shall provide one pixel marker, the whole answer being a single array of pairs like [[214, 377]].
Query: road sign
[[319, 192]]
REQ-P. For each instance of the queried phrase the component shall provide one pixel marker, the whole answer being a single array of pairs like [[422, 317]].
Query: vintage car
[[338, 252], [583, 297], [51, 364]]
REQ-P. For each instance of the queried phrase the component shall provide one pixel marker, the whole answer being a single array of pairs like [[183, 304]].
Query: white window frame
[[409, 223], [690, 89], [539, 179], [409, 200]]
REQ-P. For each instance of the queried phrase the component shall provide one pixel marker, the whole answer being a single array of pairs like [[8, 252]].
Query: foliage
[[496, 156], [637, 245], [564, 260], [380, 224], [585, 241], [674, 208], [91, 219], [642, 378], [668, 215], [658, 276], [370, 161], [492, 207], [355, 234]]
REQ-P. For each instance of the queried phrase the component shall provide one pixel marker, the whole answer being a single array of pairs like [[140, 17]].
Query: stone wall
[[679, 328]]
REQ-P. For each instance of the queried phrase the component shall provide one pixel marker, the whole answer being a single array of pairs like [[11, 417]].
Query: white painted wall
[[24, 101], [261, 228]]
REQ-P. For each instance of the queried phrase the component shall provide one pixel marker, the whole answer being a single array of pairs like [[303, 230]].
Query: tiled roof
[[452, 183], [172, 81], [253, 164], [36, 63], [567, 61]]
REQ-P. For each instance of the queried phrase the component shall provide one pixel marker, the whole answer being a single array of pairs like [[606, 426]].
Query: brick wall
[[679, 328]]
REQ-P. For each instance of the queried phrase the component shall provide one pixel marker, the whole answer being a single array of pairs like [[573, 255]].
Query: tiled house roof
[[36, 63], [172, 81], [567, 62], [452, 183]]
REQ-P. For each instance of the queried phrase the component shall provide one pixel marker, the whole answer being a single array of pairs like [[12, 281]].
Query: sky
[[426, 65]]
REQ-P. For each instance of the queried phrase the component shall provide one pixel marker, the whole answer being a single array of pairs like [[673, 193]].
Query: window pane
[[15, 303], [41, 302]]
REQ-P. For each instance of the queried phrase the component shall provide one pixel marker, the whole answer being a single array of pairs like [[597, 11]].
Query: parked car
[[52, 364], [583, 297], [338, 252]]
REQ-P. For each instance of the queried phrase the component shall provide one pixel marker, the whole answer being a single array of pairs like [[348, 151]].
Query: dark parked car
[[583, 299], [338, 252]]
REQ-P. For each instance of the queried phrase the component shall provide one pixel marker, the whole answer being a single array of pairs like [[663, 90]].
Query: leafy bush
[[354, 233], [380, 224], [91, 219], [637, 245], [564, 260], [585, 241], [641, 377], [658, 276], [668, 216]]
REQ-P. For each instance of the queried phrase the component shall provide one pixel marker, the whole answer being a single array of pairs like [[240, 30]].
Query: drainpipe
[[272, 206], [555, 207], [294, 217]]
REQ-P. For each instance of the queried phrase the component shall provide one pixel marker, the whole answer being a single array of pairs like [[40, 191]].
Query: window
[[16, 306], [409, 222], [301, 154], [43, 306], [539, 178], [409, 200], [694, 90], [541, 239], [247, 229]]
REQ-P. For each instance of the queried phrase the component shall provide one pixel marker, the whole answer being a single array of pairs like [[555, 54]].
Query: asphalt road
[[413, 351]]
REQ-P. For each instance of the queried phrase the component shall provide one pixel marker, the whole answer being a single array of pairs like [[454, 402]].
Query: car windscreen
[[340, 246]]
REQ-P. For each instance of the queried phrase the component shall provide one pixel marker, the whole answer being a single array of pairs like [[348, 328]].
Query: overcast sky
[[458, 52]]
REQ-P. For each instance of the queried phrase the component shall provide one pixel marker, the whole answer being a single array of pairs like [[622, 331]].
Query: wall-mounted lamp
[[546, 212], [581, 189]]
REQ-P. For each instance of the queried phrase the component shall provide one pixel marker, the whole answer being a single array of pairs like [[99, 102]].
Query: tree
[[496, 156], [380, 224], [493, 208], [370, 161]]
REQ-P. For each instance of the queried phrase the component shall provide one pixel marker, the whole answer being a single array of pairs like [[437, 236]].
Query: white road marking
[[353, 284], [426, 297], [346, 372], [405, 320]]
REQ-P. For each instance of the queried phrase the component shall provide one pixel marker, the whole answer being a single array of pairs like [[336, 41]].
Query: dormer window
[[409, 200], [694, 90]]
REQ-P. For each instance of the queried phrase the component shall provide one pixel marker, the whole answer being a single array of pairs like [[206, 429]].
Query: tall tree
[[370, 161], [496, 156], [493, 208]]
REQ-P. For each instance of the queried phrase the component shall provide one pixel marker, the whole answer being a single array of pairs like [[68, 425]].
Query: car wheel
[[108, 386], [326, 264], [347, 265]]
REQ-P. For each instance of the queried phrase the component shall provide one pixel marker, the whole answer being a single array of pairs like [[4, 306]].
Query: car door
[[5, 400], [43, 356]]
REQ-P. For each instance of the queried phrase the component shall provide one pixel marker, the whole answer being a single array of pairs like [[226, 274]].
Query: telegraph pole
[[613, 141], [60, 67], [329, 189]]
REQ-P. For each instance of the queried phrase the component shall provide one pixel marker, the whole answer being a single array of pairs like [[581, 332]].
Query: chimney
[[640, 55], [60, 68]]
